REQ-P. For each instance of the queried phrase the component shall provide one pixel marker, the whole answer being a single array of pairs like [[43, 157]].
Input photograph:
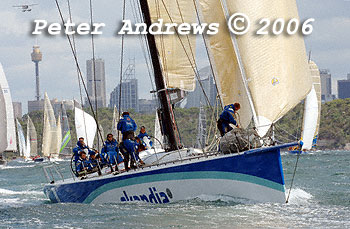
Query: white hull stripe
[[184, 176]]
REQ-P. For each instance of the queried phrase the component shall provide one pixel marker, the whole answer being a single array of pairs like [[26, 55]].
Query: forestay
[[175, 51], [276, 66]]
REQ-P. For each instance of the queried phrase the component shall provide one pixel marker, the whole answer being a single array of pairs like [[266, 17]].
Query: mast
[[166, 119]]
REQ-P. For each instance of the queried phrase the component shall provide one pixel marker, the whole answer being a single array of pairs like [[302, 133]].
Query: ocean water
[[319, 198]]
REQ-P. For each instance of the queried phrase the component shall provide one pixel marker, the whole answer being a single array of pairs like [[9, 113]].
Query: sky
[[329, 43]]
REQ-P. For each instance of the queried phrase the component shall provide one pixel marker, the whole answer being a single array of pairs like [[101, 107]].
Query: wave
[[298, 196], [16, 166], [25, 192]]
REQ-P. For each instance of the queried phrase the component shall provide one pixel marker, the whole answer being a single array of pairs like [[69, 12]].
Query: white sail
[[21, 139], [65, 148], [3, 123], [58, 136], [177, 53], [275, 67], [312, 110], [222, 53], [49, 144], [158, 141], [10, 119], [32, 142], [85, 126]]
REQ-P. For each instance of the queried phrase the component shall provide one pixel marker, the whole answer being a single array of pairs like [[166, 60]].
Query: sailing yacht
[[3, 127], [32, 141], [10, 119], [256, 71]]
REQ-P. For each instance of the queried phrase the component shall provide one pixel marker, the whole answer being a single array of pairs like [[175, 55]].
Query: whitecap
[[25, 192], [298, 196]]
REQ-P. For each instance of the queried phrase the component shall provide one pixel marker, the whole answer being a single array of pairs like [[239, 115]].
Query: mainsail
[[312, 110], [275, 67], [85, 126], [32, 142], [21, 139], [3, 123], [222, 53], [49, 145], [65, 148], [176, 53], [10, 119]]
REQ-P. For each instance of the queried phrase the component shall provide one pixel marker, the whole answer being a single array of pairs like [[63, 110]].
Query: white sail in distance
[[177, 53], [65, 148], [222, 53], [32, 142], [21, 139], [58, 136], [49, 144], [3, 122], [276, 67], [10, 118], [312, 110], [85, 126]]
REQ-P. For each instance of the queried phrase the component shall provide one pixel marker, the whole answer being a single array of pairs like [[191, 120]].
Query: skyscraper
[[326, 85], [344, 88], [129, 91], [98, 82], [197, 97]]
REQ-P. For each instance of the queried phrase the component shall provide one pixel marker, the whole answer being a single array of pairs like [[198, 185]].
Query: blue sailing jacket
[[110, 152], [142, 135], [78, 148], [227, 117], [126, 124], [82, 164], [131, 147]]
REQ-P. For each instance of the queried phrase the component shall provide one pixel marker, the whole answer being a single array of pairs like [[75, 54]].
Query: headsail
[[275, 66], [312, 110], [85, 126], [21, 139], [176, 57], [10, 118], [222, 53], [32, 142], [3, 122]]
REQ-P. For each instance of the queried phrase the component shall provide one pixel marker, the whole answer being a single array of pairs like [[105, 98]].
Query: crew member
[[83, 165], [110, 151], [227, 118], [81, 146], [144, 138], [127, 126]]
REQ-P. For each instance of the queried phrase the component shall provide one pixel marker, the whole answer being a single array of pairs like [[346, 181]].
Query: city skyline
[[328, 43]]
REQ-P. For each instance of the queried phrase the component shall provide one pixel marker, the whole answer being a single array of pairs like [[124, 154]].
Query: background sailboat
[[32, 141], [10, 119], [21, 141], [3, 127], [66, 145]]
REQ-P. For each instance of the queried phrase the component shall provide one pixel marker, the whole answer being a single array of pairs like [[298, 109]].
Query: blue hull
[[260, 167]]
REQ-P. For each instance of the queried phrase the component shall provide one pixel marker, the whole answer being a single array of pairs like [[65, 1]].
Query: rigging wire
[[121, 69], [75, 51], [77, 64]]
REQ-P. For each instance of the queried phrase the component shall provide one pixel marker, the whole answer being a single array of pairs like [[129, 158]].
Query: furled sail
[[222, 53], [10, 119], [275, 67], [21, 139], [49, 145], [312, 110], [85, 126], [65, 148], [3, 122], [32, 142], [176, 54]]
